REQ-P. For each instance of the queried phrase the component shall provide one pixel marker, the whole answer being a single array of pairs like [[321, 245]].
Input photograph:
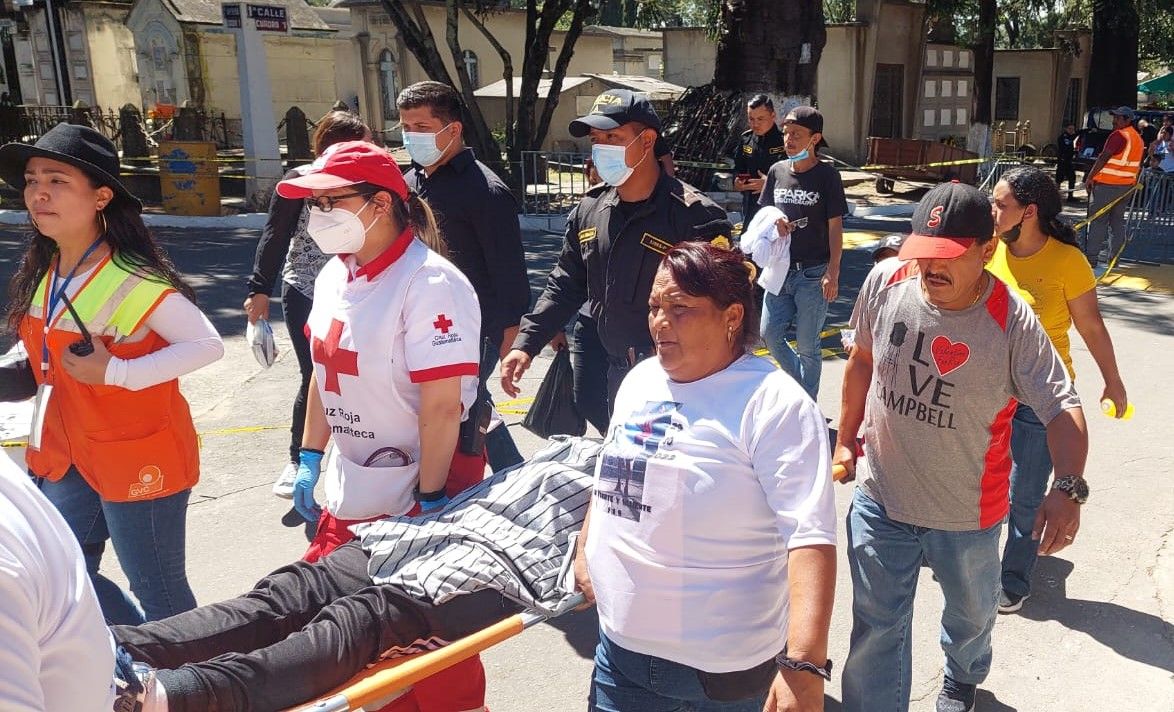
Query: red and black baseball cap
[[347, 163], [948, 220], [615, 108]]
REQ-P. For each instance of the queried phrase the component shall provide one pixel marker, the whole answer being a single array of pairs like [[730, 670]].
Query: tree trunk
[[507, 74], [528, 131], [1112, 74], [770, 46], [477, 133], [582, 12], [978, 138]]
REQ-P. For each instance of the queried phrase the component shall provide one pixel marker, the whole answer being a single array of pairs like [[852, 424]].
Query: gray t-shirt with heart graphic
[[937, 425]]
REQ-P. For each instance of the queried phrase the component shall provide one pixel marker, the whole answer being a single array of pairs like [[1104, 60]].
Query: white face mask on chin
[[338, 232]]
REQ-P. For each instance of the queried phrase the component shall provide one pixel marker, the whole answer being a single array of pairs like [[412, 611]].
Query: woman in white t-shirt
[[712, 514]]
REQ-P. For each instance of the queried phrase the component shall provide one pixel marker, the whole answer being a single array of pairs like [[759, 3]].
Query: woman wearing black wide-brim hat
[[109, 326]]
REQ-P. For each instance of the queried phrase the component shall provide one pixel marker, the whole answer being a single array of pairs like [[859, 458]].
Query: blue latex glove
[[309, 468], [434, 505]]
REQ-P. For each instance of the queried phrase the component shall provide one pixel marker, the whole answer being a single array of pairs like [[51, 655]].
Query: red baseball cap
[[347, 163]]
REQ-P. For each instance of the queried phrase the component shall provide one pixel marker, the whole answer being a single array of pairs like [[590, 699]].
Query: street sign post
[[262, 152], [232, 16], [269, 18]]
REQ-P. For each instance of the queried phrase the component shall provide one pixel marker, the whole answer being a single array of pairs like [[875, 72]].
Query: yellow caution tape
[[936, 164], [703, 164], [1100, 214], [207, 433]]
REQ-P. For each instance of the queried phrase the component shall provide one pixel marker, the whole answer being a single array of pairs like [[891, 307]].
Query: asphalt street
[[1096, 635]]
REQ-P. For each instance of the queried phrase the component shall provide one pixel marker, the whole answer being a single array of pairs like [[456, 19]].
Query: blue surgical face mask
[[422, 146], [801, 156], [612, 164]]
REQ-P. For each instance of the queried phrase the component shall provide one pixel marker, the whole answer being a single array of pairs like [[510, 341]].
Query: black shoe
[[956, 696], [1010, 603]]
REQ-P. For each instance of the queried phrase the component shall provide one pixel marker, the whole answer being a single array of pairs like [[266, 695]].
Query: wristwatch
[[427, 496], [786, 663], [1074, 486]]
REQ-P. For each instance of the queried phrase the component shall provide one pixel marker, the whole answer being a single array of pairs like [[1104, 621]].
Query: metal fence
[[552, 181], [1150, 220], [992, 171], [27, 123]]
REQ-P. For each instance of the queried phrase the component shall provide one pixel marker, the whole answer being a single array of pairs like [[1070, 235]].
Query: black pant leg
[[297, 310], [281, 603], [589, 366], [346, 636]]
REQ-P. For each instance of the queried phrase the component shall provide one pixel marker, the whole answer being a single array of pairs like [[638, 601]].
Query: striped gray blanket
[[513, 532]]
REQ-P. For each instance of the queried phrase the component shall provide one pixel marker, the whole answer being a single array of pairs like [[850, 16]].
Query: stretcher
[[380, 683]]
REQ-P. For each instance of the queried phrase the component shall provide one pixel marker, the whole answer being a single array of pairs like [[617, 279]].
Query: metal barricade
[[552, 182], [993, 170], [1150, 220]]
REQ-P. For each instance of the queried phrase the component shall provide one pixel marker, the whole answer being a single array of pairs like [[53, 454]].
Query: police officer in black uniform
[[761, 147], [615, 239], [1065, 153]]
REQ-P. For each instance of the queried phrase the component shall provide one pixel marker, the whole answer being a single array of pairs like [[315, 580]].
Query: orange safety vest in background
[[128, 445], [1123, 167]]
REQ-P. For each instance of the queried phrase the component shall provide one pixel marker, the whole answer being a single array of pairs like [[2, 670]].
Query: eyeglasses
[[325, 203]]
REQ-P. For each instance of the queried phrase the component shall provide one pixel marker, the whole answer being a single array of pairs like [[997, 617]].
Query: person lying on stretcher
[[408, 585]]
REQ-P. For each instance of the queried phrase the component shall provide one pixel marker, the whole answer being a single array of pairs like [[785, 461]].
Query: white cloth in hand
[[769, 250]]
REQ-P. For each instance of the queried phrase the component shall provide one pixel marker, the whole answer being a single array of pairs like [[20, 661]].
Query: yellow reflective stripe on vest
[[1120, 165], [1114, 172], [113, 302]]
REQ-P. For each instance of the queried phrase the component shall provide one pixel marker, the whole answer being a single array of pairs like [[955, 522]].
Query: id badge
[[40, 407]]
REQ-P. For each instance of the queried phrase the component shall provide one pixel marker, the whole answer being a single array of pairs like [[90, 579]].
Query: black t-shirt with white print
[[816, 194]]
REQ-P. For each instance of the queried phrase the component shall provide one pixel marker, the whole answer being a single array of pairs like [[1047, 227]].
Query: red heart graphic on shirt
[[948, 355]]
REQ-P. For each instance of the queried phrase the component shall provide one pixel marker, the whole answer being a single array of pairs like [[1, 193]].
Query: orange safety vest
[[1123, 167], [128, 445]]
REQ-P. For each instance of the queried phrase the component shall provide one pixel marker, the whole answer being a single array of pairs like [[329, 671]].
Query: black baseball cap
[[807, 117], [889, 242], [614, 108], [948, 220]]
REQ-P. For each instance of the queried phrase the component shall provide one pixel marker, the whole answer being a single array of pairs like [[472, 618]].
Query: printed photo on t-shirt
[[625, 458]]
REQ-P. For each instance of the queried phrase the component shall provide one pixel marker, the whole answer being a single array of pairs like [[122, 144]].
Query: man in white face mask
[[615, 239], [478, 216], [811, 196]]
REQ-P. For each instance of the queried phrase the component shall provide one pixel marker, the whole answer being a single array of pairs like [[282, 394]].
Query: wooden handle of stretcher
[[839, 473], [378, 685], [419, 667]]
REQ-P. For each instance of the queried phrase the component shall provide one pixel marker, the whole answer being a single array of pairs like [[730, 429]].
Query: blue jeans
[[625, 681], [149, 538], [884, 557], [500, 449], [801, 301], [1031, 463]]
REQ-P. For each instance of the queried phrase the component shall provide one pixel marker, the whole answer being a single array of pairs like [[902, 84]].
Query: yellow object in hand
[[1110, 409]]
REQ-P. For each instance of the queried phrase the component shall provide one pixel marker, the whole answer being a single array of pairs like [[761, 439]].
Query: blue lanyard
[[55, 295]]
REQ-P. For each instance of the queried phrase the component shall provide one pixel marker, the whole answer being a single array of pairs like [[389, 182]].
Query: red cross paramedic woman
[[394, 339]]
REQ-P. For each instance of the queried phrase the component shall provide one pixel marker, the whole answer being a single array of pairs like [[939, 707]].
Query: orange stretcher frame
[[379, 682]]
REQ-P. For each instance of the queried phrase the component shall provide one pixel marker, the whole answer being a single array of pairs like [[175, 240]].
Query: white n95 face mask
[[338, 232], [260, 338]]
